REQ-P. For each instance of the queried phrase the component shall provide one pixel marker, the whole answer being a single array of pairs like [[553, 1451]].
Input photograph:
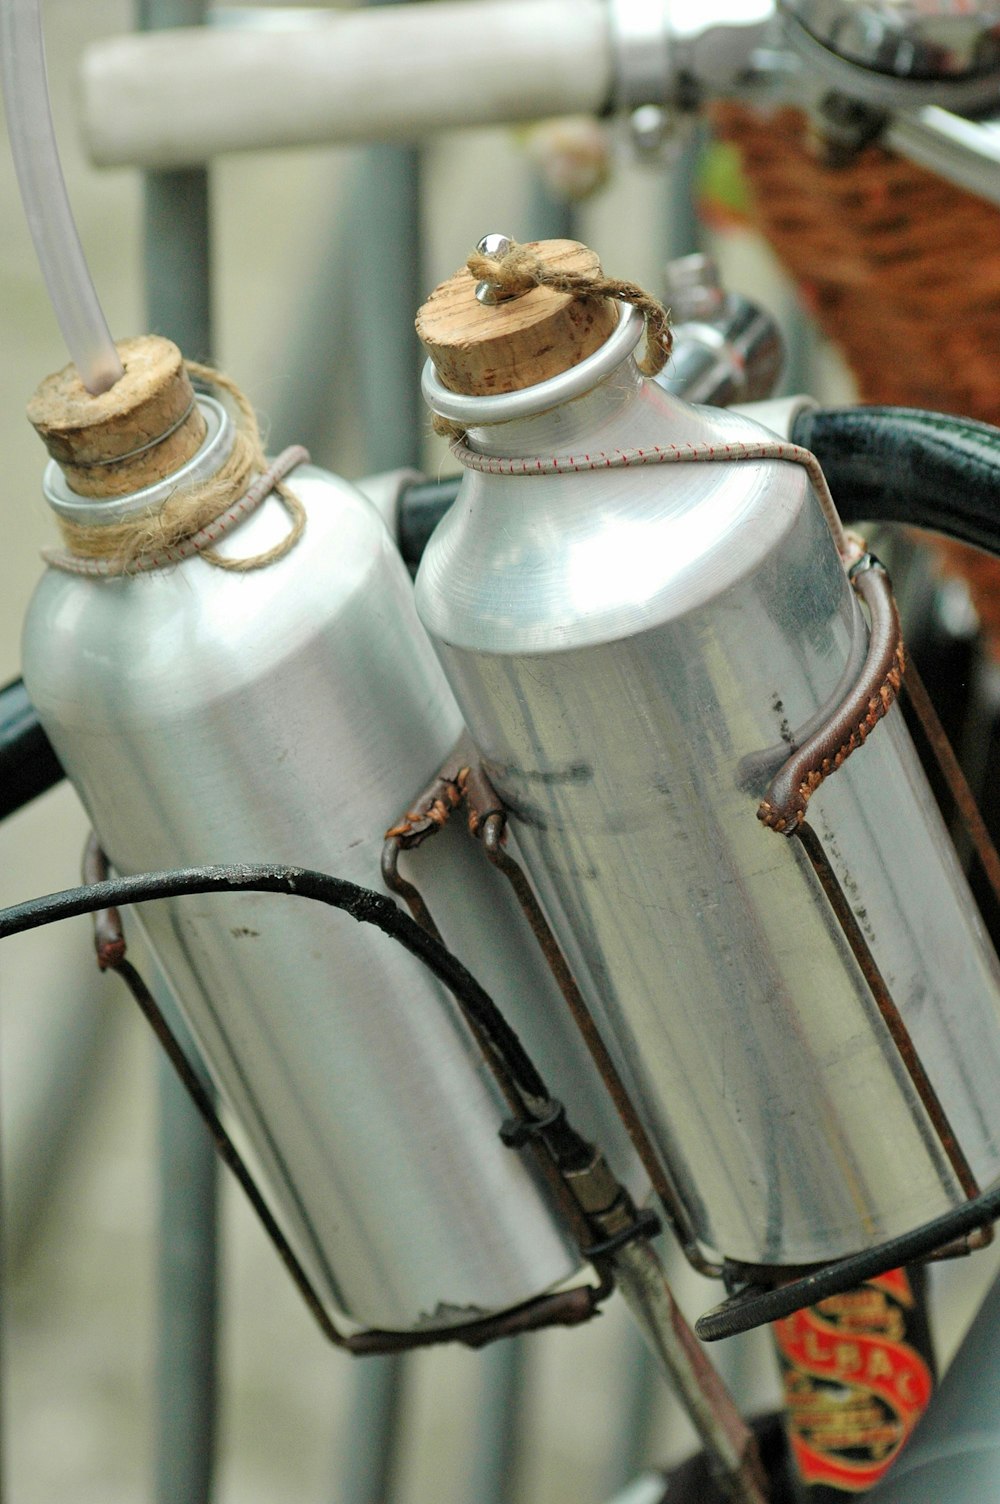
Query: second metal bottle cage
[[763, 1295]]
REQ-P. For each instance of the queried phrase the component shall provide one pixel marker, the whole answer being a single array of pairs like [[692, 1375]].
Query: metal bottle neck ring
[[215, 448], [484, 412]]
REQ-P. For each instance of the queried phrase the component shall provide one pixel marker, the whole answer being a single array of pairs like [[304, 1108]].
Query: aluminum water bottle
[[290, 714], [632, 649]]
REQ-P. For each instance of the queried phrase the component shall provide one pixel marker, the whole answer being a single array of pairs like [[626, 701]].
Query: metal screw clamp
[[516, 1132], [645, 1224]]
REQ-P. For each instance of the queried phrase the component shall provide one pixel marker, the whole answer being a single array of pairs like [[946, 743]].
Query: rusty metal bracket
[[783, 810], [955, 780], [398, 884], [463, 780], [887, 1007], [432, 808], [536, 1124], [970, 1225], [618, 1240], [491, 824]]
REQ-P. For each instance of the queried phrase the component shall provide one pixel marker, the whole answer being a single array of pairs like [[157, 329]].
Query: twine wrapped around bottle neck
[[194, 516], [520, 268]]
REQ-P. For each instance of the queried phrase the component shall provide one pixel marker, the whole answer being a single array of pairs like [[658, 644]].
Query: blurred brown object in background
[[899, 268]]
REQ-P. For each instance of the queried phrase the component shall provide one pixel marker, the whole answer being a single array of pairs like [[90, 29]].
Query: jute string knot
[[194, 516], [520, 269]]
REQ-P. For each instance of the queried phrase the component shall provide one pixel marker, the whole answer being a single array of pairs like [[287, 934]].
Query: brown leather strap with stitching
[[784, 805]]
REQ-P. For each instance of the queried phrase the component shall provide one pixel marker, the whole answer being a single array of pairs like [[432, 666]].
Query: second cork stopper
[[137, 432], [482, 349]]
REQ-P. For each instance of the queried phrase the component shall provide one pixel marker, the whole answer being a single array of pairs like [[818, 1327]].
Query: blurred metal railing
[[177, 269]]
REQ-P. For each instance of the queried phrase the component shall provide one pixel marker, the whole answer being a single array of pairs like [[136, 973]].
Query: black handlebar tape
[[897, 464]]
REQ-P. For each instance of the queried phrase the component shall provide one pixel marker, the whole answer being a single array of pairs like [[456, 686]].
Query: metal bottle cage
[[612, 1234], [764, 1294], [612, 1217], [760, 1295]]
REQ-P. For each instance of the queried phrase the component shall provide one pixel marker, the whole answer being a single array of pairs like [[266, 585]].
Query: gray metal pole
[[640, 1395], [380, 288], [682, 231], [3, 1345], [374, 1430], [306, 407], [354, 345], [385, 289], [179, 306], [187, 1290], [499, 1429], [176, 223], [548, 217], [48, 1091]]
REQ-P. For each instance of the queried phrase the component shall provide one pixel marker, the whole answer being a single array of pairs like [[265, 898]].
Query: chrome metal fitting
[[492, 245], [716, 44], [653, 134], [692, 288], [596, 1188], [726, 349], [672, 53], [933, 40], [644, 87], [894, 56], [640, 40]]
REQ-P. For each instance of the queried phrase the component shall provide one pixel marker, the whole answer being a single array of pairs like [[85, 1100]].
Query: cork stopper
[[483, 350], [138, 432]]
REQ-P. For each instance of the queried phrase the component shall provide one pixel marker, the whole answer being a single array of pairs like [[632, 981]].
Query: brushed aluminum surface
[[634, 651], [725, 348], [289, 715]]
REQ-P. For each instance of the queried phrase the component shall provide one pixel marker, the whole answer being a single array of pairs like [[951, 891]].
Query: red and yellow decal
[[854, 1389]]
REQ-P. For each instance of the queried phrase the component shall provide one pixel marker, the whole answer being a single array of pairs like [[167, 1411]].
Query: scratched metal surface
[[632, 648]]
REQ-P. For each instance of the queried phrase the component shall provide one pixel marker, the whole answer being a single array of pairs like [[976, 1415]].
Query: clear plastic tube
[[46, 203]]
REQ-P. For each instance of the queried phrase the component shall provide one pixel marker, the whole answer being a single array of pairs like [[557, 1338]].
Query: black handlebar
[[896, 464]]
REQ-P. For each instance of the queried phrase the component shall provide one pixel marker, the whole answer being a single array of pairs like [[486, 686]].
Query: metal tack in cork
[[483, 350]]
